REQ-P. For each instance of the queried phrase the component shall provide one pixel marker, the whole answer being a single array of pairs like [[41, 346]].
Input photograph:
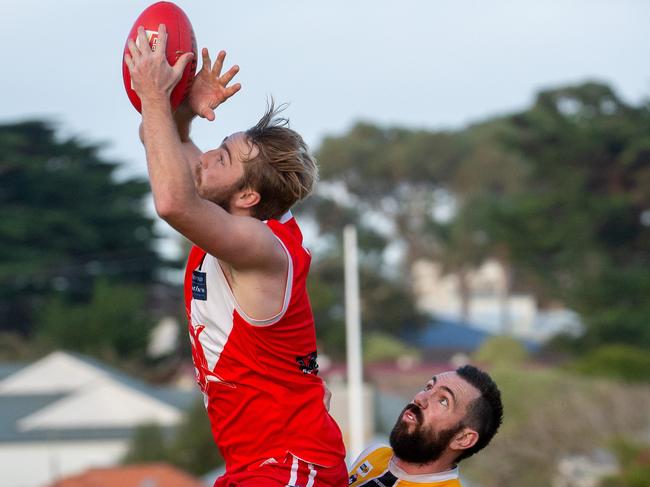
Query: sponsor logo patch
[[199, 286], [364, 468]]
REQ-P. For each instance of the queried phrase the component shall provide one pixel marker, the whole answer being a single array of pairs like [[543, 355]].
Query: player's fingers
[[182, 61], [231, 90], [207, 63], [133, 49], [161, 46], [218, 64], [208, 113], [128, 60], [227, 78], [141, 41]]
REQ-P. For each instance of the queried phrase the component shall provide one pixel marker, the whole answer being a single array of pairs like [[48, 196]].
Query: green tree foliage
[[394, 174], [193, 448], [501, 351], [148, 445], [622, 362], [578, 225], [66, 221], [387, 304], [392, 180], [634, 459], [190, 447], [550, 415], [558, 193], [114, 324], [379, 347]]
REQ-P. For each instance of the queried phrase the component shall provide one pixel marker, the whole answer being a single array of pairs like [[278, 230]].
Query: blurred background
[[494, 157]]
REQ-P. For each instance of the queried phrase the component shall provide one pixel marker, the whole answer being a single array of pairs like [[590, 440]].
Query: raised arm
[[183, 117], [243, 242], [209, 90]]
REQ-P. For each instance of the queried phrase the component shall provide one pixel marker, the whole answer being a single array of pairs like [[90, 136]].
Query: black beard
[[422, 445]]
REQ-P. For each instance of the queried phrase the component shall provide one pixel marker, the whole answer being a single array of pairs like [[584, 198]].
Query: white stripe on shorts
[[294, 472], [312, 475]]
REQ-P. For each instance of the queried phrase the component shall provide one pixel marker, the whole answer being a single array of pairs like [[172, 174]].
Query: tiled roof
[[145, 475]]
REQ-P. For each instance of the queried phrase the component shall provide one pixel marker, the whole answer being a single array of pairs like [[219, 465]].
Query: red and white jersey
[[259, 378]]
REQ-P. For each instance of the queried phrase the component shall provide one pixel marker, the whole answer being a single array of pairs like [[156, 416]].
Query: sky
[[423, 64]]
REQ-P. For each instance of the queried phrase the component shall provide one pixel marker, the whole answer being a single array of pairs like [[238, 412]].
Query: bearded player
[[452, 418], [251, 325]]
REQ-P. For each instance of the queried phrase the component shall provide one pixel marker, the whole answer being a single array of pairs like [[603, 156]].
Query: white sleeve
[[364, 454]]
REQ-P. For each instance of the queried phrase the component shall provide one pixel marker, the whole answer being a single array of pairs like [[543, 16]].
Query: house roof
[[145, 475], [126, 407], [446, 334], [69, 396], [12, 408], [453, 336], [56, 373], [62, 372], [9, 368]]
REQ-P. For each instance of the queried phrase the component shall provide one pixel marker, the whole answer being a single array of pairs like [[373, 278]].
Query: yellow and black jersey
[[375, 467]]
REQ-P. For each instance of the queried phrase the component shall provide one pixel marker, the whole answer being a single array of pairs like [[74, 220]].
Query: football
[[180, 39]]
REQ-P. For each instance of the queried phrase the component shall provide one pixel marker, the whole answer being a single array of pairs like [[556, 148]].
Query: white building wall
[[39, 464], [439, 294]]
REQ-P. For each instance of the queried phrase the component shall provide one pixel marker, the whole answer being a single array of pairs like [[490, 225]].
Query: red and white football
[[180, 39]]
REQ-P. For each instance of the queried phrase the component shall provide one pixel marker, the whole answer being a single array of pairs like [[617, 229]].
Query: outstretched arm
[[209, 90], [243, 242]]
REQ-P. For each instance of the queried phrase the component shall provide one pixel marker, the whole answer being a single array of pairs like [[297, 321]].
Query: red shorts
[[292, 472]]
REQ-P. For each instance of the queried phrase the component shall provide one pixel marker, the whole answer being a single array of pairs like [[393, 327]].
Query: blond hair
[[283, 172]]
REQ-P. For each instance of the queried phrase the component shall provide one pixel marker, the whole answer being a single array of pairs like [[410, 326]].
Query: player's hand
[[151, 74], [210, 88]]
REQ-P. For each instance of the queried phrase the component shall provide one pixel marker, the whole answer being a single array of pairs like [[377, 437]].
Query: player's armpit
[[243, 242]]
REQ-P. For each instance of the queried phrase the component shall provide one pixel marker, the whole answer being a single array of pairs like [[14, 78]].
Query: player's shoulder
[[286, 226], [375, 453], [287, 231], [375, 461], [371, 462]]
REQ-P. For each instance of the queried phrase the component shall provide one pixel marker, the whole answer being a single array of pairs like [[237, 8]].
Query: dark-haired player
[[453, 417]]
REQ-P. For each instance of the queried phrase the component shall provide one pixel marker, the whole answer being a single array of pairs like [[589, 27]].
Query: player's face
[[219, 173], [426, 426]]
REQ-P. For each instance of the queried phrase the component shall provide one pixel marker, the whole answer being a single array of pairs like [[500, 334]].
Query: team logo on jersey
[[307, 363], [199, 286], [353, 478], [364, 469], [201, 367]]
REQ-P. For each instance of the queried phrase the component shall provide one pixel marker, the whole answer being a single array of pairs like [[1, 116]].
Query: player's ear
[[247, 198], [464, 439]]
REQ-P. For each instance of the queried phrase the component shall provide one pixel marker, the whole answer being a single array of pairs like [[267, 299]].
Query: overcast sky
[[435, 64]]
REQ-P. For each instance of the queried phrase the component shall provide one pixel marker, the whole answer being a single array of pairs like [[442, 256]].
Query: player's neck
[[240, 211], [442, 464]]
